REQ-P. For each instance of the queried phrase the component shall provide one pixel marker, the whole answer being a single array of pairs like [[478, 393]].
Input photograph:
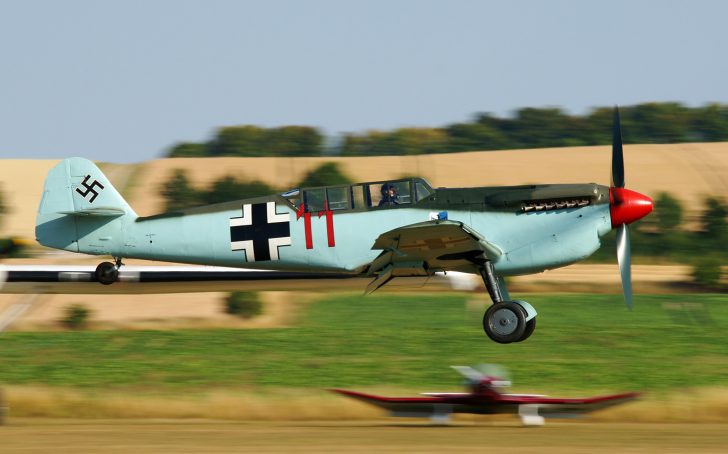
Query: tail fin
[[80, 210]]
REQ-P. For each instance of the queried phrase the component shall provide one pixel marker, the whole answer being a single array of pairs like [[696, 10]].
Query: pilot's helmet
[[386, 188]]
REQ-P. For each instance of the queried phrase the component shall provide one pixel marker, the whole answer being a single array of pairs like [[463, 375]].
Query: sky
[[122, 81]]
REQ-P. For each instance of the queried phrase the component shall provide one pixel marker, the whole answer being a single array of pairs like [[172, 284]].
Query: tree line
[[668, 122], [179, 193]]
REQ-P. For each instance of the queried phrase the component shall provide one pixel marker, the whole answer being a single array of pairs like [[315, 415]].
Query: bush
[[243, 304], [187, 150], [327, 174], [13, 247], [3, 207], [707, 272], [228, 188], [250, 140], [179, 193], [75, 316]]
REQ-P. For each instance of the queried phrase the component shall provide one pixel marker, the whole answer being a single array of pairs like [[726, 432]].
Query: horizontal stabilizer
[[97, 211]]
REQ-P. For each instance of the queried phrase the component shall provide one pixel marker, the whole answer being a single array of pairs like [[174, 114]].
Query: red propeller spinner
[[627, 206]]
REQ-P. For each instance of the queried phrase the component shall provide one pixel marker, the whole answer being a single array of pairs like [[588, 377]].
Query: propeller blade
[[624, 258], [493, 370], [617, 155], [468, 372]]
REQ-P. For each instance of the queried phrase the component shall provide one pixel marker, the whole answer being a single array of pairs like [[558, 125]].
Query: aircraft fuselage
[[274, 233]]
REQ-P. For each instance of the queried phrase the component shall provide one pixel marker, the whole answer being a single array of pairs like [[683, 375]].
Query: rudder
[[80, 210]]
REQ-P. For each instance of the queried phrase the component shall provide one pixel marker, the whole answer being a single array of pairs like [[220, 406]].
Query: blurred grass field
[[582, 342]]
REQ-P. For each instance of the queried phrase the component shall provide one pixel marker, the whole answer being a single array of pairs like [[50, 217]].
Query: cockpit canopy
[[361, 196]]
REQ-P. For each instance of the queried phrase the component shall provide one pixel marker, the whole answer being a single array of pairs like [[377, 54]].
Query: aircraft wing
[[429, 406], [568, 408], [532, 409], [67, 279], [417, 249], [51, 279]]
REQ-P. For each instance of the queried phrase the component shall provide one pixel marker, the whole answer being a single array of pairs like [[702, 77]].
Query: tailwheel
[[505, 322], [107, 273]]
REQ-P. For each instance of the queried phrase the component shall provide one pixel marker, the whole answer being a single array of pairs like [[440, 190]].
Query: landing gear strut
[[505, 321], [107, 273]]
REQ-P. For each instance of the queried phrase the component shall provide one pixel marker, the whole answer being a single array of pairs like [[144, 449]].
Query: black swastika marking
[[90, 189]]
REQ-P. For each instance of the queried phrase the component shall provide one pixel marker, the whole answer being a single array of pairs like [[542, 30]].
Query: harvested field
[[155, 311], [689, 171]]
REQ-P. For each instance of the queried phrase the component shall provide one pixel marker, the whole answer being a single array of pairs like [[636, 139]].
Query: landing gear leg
[[487, 272], [107, 273], [504, 321]]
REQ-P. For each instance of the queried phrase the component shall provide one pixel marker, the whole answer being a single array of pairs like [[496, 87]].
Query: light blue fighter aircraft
[[383, 229]]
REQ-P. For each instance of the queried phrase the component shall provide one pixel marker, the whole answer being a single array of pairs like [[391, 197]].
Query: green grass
[[582, 342]]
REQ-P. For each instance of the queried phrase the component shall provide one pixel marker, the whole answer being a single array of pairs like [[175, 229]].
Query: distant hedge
[[528, 128], [248, 140], [179, 193]]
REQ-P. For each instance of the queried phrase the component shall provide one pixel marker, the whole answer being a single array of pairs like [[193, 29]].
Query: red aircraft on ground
[[486, 398]]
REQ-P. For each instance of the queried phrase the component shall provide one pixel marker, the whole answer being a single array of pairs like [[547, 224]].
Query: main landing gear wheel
[[530, 326], [107, 273], [505, 322]]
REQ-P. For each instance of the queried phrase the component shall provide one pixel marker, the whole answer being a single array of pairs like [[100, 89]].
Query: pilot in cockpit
[[389, 195]]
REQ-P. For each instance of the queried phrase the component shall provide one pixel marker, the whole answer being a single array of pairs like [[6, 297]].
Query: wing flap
[[384, 276], [430, 239], [425, 247]]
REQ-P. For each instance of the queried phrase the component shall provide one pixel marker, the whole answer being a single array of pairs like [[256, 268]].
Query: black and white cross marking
[[90, 189], [260, 231]]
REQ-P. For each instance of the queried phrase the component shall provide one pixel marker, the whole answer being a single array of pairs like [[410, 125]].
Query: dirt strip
[[114, 436]]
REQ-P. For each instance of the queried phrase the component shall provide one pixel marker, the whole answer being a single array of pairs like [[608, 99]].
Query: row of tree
[[528, 128], [179, 193]]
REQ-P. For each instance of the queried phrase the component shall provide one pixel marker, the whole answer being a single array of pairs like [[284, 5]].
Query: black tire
[[530, 326], [106, 273], [505, 322]]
